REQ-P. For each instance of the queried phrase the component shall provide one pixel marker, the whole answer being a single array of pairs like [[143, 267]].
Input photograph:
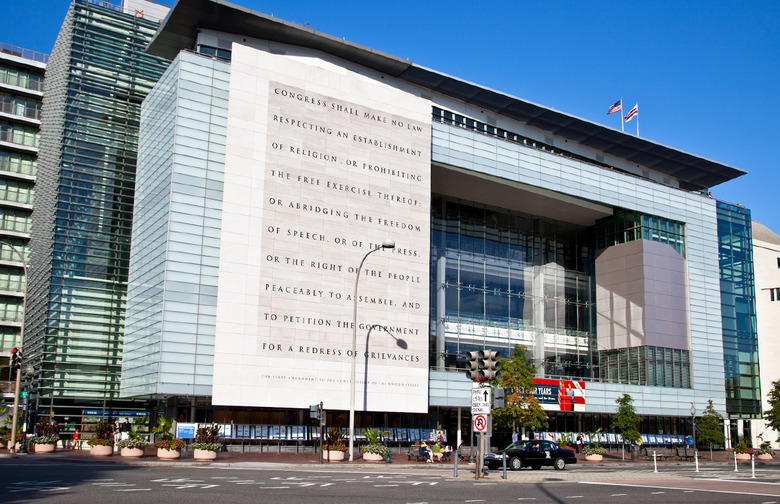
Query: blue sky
[[705, 74]]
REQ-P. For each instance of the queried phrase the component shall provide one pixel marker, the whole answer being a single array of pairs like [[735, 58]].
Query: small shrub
[[333, 440], [743, 447], [135, 442], [164, 428], [170, 444], [206, 439], [104, 434], [374, 444], [594, 449]]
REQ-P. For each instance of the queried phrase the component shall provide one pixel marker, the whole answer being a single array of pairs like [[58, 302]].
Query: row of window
[[627, 225], [20, 78], [15, 220], [16, 192], [23, 164], [21, 135], [774, 294], [647, 365], [15, 105]]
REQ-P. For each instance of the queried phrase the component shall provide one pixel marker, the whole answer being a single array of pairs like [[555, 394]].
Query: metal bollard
[[735, 462], [504, 476], [455, 466], [655, 463], [753, 464], [696, 457]]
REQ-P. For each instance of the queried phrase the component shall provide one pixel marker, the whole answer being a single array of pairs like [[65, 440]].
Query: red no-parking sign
[[480, 423]]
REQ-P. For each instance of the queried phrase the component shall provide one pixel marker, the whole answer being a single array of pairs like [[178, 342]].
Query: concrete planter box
[[44, 447], [131, 452], [204, 454], [101, 451], [168, 454], [333, 456]]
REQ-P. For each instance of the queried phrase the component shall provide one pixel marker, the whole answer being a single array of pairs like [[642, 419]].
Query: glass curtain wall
[[738, 309], [97, 77], [499, 279]]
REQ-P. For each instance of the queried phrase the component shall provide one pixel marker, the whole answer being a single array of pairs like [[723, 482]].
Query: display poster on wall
[[324, 162], [560, 395]]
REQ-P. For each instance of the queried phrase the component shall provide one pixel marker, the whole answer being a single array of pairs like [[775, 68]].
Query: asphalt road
[[41, 481]]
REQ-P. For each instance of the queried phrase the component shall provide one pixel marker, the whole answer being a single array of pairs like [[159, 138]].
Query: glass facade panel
[[740, 336], [509, 287]]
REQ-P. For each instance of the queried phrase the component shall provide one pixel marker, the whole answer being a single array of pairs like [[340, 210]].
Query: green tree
[[710, 428], [772, 415], [522, 408], [626, 421]]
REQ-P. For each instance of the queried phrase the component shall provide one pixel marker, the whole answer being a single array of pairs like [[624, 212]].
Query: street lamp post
[[18, 384], [387, 244]]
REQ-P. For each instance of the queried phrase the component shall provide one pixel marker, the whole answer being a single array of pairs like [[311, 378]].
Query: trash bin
[[634, 453]]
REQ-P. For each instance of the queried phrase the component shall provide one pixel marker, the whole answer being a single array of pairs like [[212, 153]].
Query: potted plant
[[334, 448], [375, 450], [764, 451], [206, 446], [168, 446], [46, 437], [743, 451], [593, 451], [101, 444]]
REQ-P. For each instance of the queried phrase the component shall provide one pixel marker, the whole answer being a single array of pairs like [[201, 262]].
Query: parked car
[[533, 454]]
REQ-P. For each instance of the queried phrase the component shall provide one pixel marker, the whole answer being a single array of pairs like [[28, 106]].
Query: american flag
[[631, 113], [617, 107]]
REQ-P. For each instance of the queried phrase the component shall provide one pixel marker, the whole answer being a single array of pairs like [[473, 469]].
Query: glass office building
[[21, 93], [97, 77]]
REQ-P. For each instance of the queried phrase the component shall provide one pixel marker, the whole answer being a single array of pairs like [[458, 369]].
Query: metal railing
[[23, 53]]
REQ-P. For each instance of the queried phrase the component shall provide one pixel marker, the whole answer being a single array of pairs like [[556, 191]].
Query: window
[[774, 294]]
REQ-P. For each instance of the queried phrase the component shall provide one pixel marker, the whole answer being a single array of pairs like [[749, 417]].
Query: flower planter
[[594, 458], [375, 457], [204, 454], [168, 454], [742, 456], [333, 456], [764, 456], [101, 450], [131, 452], [44, 447]]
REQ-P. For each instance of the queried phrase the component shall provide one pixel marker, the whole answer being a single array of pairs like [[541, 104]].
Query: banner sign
[[560, 395]]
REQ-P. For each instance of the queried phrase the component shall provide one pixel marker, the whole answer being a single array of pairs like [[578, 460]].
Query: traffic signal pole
[[15, 420]]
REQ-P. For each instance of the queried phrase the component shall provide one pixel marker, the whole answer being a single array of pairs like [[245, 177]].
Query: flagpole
[[637, 119], [622, 126]]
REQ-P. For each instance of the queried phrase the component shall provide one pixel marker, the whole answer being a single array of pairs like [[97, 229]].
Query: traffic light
[[16, 358], [499, 398], [489, 367], [472, 369]]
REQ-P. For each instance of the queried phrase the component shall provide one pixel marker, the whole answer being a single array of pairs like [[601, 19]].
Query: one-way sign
[[481, 401]]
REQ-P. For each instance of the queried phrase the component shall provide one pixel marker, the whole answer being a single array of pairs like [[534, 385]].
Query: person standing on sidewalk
[[125, 429]]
